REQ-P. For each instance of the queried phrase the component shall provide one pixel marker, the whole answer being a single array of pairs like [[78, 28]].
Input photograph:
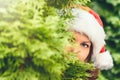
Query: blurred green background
[[109, 11]]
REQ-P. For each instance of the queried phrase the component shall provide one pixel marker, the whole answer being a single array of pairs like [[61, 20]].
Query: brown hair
[[88, 59], [94, 73]]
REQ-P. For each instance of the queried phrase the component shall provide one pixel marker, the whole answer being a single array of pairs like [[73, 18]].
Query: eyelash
[[84, 45]]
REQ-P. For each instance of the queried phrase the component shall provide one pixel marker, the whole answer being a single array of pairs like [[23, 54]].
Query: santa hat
[[88, 22]]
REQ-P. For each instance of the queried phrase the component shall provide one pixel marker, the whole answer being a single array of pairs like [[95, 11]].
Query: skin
[[82, 48]]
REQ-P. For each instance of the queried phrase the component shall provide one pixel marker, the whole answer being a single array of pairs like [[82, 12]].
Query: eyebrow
[[86, 41]]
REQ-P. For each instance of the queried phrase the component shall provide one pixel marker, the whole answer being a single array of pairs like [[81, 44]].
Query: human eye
[[84, 45]]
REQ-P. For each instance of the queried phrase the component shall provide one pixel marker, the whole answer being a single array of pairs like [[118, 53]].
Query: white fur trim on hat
[[103, 61]]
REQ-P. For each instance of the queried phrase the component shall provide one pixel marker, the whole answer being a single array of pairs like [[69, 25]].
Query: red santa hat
[[88, 22]]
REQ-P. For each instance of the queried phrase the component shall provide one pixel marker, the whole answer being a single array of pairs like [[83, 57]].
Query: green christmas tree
[[33, 36]]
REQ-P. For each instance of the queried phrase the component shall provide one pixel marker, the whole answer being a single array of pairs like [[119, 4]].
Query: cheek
[[82, 55], [81, 52]]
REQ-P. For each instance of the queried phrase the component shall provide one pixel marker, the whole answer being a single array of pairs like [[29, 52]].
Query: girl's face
[[82, 49]]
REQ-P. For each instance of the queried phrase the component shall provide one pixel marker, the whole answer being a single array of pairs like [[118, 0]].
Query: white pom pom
[[103, 61]]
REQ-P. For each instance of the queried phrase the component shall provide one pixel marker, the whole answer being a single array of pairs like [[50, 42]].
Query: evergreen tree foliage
[[33, 37]]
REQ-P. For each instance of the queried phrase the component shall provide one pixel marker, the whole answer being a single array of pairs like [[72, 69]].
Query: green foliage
[[26, 41], [32, 42], [61, 4], [109, 11], [77, 71]]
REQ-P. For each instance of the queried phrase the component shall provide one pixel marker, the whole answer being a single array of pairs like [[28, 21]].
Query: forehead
[[81, 36]]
